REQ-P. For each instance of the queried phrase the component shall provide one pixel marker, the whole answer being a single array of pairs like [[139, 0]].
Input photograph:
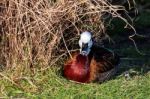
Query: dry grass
[[36, 33]]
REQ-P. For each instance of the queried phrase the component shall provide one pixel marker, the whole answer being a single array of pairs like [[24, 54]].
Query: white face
[[85, 43]]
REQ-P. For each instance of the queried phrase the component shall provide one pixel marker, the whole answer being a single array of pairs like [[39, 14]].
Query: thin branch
[[65, 44], [130, 37]]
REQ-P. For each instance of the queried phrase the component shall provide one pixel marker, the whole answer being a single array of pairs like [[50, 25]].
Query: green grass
[[51, 85]]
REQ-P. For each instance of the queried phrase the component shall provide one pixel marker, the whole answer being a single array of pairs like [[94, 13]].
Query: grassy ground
[[51, 84]]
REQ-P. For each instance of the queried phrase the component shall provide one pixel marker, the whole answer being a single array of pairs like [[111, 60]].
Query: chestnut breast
[[77, 69], [95, 67]]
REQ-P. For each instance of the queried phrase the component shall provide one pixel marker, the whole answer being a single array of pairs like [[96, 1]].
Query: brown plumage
[[99, 65], [103, 63]]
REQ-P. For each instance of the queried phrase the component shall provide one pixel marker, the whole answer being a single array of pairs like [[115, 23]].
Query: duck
[[92, 63]]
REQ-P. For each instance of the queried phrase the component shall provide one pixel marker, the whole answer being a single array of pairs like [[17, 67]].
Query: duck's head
[[85, 43]]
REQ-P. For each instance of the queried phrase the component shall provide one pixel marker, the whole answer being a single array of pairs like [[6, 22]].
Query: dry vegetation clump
[[36, 33]]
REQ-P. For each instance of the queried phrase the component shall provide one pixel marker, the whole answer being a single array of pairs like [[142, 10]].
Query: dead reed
[[36, 33]]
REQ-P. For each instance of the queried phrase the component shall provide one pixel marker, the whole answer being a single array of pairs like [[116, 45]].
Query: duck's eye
[[90, 43]]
